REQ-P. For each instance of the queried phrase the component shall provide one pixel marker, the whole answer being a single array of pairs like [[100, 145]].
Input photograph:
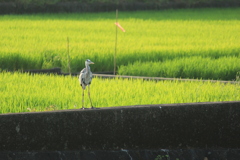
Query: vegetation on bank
[[41, 2]]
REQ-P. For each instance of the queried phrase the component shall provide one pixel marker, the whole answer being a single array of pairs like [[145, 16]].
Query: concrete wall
[[151, 127]]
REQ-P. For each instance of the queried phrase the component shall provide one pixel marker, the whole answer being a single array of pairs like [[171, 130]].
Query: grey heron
[[85, 79]]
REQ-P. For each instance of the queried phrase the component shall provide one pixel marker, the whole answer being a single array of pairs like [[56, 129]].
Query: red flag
[[119, 26]]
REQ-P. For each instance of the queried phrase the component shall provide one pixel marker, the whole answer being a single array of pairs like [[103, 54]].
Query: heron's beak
[[92, 62]]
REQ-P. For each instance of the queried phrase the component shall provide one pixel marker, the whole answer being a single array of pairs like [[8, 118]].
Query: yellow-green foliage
[[24, 92], [40, 40], [225, 68]]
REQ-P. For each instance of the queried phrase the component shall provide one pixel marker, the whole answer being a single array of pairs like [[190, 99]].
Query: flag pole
[[114, 72]]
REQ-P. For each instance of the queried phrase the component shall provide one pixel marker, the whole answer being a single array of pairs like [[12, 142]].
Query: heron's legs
[[83, 99], [89, 96]]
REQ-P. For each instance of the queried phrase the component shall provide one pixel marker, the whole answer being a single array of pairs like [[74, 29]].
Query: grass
[[224, 68], [25, 93], [40, 40]]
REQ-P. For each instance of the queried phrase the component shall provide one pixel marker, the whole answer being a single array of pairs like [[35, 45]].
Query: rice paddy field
[[29, 93], [189, 43], [186, 43]]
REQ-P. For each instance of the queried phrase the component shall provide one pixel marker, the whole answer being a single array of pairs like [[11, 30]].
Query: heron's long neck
[[87, 69]]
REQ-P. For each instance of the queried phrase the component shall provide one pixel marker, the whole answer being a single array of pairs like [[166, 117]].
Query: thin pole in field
[[68, 55], [114, 72]]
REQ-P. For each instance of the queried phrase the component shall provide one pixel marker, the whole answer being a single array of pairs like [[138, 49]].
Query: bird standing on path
[[85, 79]]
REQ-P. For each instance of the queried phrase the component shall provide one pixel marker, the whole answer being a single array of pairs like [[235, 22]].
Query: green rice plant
[[39, 40], [238, 76], [25, 93], [224, 68]]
